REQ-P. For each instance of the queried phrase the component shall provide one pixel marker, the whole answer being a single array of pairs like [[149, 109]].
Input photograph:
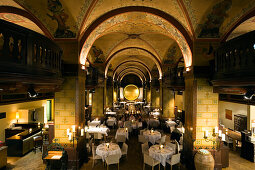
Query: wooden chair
[[150, 161], [175, 159], [94, 155], [145, 148], [112, 159], [124, 149], [121, 138], [142, 139], [162, 140]]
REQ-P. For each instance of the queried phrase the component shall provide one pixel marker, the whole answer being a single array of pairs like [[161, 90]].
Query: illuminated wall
[[155, 97], [109, 96], [11, 114], [65, 109], [207, 113]]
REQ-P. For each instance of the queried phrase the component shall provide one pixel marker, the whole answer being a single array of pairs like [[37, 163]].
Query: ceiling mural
[[21, 21], [169, 6], [58, 14], [214, 20]]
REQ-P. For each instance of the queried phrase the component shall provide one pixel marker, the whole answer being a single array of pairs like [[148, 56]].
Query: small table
[[152, 136], [95, 123], [111, 121], [161, 154], [53, 157], [121, 131], [102, 130], [103, 151]]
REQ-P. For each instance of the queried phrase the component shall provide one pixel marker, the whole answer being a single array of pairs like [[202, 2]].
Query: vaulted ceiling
[[133, 35]]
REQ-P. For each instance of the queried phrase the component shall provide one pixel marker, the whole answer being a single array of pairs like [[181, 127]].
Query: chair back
[[98, 136], [141, 131], [121, 138], [171, 129], [142, 139], [124, 149], [87, 135], [112, 159], [175, 159], [148, 160], [177, 146], [145, 147], [163, 139]]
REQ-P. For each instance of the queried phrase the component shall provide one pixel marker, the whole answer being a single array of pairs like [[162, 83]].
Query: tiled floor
[[134, 160]]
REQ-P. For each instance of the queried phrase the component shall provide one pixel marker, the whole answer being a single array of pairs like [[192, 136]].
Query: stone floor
[[134, 160]]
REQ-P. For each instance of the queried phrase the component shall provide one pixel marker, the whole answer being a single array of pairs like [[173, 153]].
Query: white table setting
[[152, 135], [95, 122], [161, 153], [111, 121], [102, 130], [106, 149], [122, 131]]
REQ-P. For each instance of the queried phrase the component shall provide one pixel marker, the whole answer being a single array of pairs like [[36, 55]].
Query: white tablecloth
[[94, 123], [161, 154], [102, 130], [111, 121], [170, 123], [110, 113], [152, 137], [103, 151], [121, 131]]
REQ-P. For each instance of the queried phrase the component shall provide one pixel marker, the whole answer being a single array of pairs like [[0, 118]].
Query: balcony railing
[[23, 51], [235, 59]]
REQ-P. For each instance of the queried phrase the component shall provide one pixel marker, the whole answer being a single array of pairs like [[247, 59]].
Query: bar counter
[[22, 143]]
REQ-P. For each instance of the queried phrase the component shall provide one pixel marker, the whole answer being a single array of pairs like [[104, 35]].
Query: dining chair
[[177, 146], [175, 159], [145, 148], [142, 139], [98, 136], [150, 161], [121, 138], [124, 149], [112, 159], [141, 131], [88, 136], [162, 140], [94, 155]]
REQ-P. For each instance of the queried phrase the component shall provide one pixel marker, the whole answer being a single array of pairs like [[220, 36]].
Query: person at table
[[176, 134]]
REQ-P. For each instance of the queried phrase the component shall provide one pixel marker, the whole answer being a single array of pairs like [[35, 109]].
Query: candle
[[126, 129], [220, 133], [226, 131], [216, 129], [82, 132], [68, 131], [161, 146], [223, 137], [39, 124], [70, 136], [73, 127], [30, 130], [86, 128], [107, 145], [206, 134]]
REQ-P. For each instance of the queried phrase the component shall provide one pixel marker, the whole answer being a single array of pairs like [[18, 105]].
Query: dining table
[[170, 123], [95, 123], [103, 130], [152, 136], [161, 153], [106, 149], [111, 121], [122, 131]]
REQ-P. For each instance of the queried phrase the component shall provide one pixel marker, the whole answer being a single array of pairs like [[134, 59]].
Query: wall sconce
[[17, 117]]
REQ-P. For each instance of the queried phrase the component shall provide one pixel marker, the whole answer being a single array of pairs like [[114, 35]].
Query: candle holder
[[216, 137]]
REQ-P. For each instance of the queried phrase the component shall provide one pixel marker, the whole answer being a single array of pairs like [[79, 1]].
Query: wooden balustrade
[[25, 49], [235, 59]]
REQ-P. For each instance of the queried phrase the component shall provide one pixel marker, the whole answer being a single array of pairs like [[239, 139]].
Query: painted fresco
[[97, 54], [214, 20], [58, 14]]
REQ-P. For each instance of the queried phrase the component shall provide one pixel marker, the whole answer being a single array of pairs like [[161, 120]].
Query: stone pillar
[[168, 102], [98, 102], [161, 94], [201, 113]]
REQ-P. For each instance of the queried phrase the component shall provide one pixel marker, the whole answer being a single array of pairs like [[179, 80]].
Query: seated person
[[176, 134]]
